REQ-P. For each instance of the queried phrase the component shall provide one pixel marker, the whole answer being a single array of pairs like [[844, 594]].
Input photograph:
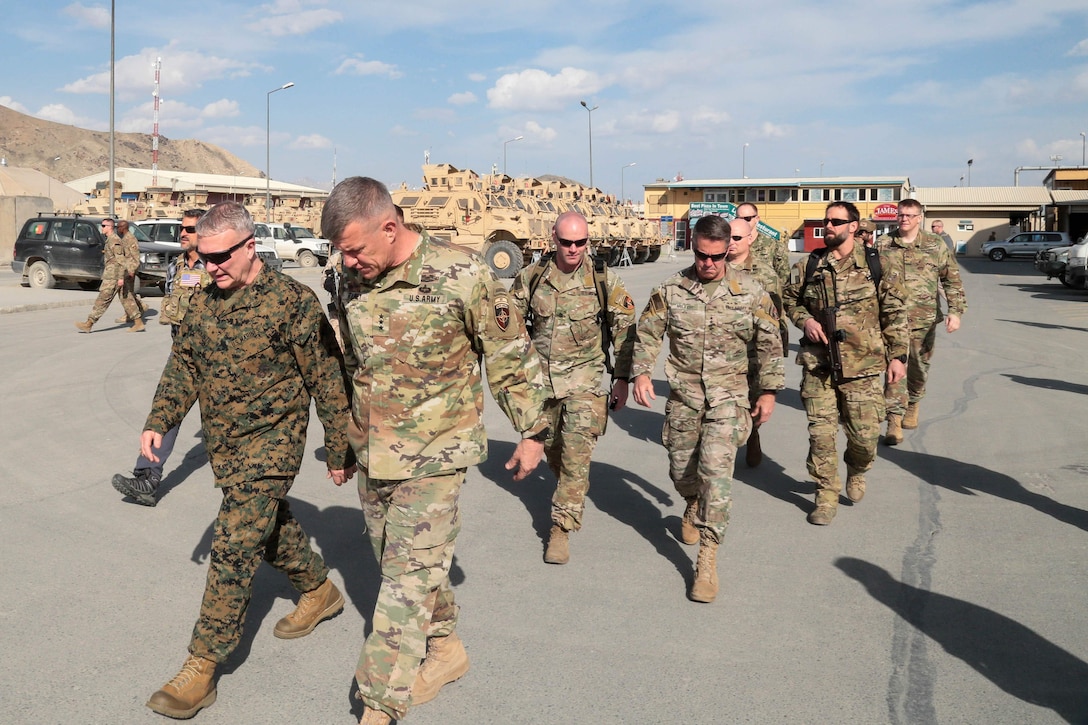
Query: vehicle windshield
[[139, 233], [302, 233]]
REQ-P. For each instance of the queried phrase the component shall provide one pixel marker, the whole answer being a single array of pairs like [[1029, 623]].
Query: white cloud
[[9, 102], [359, 67], [232, 136], [541, 133], [312, 141], [295, 24], [96, 17], [537, 90], [477, 77], [60, 113], [462, 99], [399, 130], [772, 130], [223, 108], [1080, 48]]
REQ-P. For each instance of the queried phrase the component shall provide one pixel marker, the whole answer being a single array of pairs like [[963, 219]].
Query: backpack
[[600, 279]]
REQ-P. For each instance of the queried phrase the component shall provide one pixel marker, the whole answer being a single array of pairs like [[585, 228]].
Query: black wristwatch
[[541, 436], [902, 359]]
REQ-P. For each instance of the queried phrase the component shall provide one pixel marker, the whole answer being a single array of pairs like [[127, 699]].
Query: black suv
[[69, 247]]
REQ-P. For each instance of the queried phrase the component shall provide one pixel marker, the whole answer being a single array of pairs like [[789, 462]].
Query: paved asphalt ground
[[954, 593]]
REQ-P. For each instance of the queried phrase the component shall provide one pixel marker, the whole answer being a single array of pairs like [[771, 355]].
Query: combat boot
[[313, 608], [689, 533], [123, 320], [374, 717], [894, 436], [138, 325], [558, 551], [141, 487], [705, 587], [753, 456], [192, 689], [827, 504], [446, 661], [85, 326], [910, 420], [855, 487]]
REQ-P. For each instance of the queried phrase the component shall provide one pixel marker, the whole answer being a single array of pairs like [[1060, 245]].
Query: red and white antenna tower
[[155, 130]]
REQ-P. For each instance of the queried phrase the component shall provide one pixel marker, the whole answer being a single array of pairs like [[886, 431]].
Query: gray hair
[[225, 217], [356, 198]]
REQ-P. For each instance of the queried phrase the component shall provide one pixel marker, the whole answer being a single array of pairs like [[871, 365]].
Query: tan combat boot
[[138, 325], [894, 436], [558, 551], [689, 532], [85, 326], [446, 661], [705, 587], [374, 717], [123, 320], [313, 607], [753, 456], [827, 503], [855, 487], [910, 420], [192, 689]]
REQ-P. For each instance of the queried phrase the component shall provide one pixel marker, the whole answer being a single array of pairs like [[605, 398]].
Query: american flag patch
[[190, 279]]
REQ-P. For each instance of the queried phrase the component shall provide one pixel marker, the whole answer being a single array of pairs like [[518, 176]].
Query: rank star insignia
[[502, 315]]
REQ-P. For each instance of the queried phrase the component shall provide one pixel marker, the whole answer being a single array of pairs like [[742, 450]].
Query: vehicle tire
[[40, 276], [614, 254], [91, 285], [642, 255], [1065, 281], [306, 258], [504, 258], [997, 254], [655, 254]]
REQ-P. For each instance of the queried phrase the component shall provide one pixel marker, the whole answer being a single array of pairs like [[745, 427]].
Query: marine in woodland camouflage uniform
[[566, 312], [418, 318], [711, 314], [253, 349], [930, 269], [122, 258], [771, 252], [871, 321]]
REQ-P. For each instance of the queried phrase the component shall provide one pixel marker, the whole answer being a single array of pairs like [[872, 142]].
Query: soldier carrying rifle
[[848, 301]]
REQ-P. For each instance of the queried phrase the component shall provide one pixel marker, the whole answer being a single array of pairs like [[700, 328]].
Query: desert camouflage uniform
[[122, 257], [773, 253], [766, 276], [874, 324], [415, 337], [182, 283], [253, 358], [929, 268], [708, 414], [567, 335]]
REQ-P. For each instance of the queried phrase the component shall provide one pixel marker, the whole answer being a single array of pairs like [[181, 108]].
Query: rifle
[[827, 316]]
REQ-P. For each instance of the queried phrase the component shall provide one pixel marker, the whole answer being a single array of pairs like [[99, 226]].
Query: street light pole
[[516, 138], [622, 169], [969, 162], [1082, 148], [591, 110], [268, 150], [744, 161]]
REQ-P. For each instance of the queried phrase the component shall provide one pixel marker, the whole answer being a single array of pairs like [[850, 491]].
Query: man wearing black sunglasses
[[185, 276], [569, 303], [253, 348], [767, 249], [712, 314], [855, 332]]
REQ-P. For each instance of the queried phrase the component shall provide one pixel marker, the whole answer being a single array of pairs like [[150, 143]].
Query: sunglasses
[[189, 230], [573, 242], [908, 216], [835, 222], [737, 237], [703, 256], [748, 218], [218, 258]]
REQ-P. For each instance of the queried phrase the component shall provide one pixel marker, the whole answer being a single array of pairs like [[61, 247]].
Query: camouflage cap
[[866, 225]]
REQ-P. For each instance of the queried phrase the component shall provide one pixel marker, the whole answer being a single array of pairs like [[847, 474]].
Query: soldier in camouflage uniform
[[930, 269], [712, 315], [567, 318], [122, 259], [870, 337], [739, 256], [185, 276], [770, 251], [419, 317], [253, 349]]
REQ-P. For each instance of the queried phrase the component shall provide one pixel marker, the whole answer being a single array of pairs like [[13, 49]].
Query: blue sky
[[865, 89]]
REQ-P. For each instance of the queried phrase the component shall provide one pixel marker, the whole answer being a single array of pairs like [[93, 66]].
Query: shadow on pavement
[[612, 490], [1013, 657], [1044, 325], [770, 478], [968, 478], [191, 462], [1049, 384]]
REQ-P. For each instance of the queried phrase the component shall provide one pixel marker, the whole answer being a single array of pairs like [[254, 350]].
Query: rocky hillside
[[33, 143]]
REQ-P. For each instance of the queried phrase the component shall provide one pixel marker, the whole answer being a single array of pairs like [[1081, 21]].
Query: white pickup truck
[[293, 242]]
